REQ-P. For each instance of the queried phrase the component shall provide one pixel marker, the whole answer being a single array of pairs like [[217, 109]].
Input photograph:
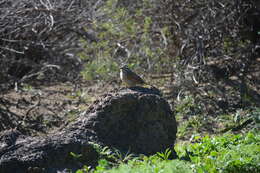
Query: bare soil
[[41, 109]]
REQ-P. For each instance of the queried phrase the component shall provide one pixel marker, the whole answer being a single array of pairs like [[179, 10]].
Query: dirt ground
[[43, 108]]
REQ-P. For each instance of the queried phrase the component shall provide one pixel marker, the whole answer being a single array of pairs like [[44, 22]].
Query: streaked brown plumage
[[130, 78]]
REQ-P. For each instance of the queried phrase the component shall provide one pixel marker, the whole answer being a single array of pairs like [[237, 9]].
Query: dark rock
[[135, 119]]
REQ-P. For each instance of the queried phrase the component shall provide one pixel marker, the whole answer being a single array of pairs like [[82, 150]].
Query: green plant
[[119, 157], [103, 165], [165, 155], [255, 114], [85, 169], [75, 156], [187, 107], [227, 153], [113, 157], [216, 154], [153, 164]]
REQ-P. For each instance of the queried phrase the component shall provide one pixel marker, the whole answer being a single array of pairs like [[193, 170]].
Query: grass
[[226, 153], [153, 166]]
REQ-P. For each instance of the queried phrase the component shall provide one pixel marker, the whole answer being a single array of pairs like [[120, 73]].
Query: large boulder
[[135, 119]]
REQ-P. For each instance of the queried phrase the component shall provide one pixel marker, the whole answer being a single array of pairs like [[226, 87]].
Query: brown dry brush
[[42, 38], [39, 42], [218, 46], [211, 54]]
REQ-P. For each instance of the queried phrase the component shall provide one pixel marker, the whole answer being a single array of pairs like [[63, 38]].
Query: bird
[[129, 77]]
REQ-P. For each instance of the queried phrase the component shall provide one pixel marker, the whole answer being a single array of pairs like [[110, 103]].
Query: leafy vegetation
[[226, 153]]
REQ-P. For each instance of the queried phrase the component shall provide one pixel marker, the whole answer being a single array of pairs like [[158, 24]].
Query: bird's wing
[[136, 78]]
